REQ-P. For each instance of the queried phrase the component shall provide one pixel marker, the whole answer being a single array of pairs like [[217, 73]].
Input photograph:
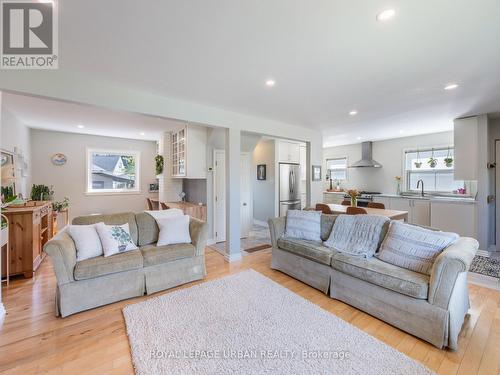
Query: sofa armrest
[[277, 229], [454, 260], [198, 231], [62, 251]]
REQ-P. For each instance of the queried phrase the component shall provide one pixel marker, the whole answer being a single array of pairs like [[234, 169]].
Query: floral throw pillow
[[115, 239]]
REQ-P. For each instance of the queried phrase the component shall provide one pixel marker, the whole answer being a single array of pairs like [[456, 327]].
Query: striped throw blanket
[[305, 225], [358, 235]]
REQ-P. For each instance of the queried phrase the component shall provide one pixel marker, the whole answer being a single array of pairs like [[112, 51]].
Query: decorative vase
[[354, 201], [398, 188]]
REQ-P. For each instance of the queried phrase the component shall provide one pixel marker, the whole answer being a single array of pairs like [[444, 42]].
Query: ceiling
[[327, 57], [39, 113]]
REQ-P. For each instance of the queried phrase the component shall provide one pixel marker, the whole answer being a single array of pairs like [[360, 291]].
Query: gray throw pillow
[[412, 247], [304, 225]]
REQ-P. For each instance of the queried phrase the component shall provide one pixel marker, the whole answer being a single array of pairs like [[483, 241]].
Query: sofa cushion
[[383, 274], [148, 229], [114, 219], [154, 255], [101, 266], [307, 249], [305, 225]]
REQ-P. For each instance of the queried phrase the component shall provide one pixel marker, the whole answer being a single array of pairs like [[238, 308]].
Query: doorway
[[497, 194], [220, 195]]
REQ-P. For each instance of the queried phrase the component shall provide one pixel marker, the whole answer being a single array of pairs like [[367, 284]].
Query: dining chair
[[376, 205], [150, 204], [355, 211], [346, 202], [164, 206], [324, 208]]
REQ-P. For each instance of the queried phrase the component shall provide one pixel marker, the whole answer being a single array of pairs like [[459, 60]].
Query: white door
[[220, 196], [497, 192], [245, 196]]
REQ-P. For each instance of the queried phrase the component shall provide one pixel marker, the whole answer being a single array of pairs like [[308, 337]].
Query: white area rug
[[248, 324]]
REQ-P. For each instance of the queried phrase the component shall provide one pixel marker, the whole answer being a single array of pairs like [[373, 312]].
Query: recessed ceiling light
[[80, 126], [358, 138], [142, 133], [270, 82], [386, 15], [451, 86], [401, 131], [353, 112]]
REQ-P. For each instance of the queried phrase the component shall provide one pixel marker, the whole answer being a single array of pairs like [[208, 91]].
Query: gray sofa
[[99, 281], [432, 307]]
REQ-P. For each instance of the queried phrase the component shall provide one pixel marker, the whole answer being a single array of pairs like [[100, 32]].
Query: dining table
[[391, 214]]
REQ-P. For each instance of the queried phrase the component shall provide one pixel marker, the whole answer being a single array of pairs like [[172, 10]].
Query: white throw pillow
[[115, 239], [87, 241], [304, 225], [174, 230]]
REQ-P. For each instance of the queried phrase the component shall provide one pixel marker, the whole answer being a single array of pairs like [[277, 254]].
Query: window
[[337, 168], [437, 179], [112, 171]]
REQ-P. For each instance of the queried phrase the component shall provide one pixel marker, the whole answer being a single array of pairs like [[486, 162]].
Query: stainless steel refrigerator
[[289, 188]]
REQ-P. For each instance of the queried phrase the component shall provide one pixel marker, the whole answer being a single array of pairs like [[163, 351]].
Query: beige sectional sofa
[[102, 280], [432, 307]]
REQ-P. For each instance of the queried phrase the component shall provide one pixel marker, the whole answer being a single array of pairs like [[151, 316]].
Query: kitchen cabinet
[[288, 152], [384, 200], [189, 152], [466, 150], [457, 217], [333, 198], [419, 210]]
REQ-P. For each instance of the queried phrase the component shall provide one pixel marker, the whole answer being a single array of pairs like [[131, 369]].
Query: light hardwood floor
[[33, 340]]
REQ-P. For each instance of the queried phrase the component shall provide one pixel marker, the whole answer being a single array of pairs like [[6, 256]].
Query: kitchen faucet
[[418, 184]]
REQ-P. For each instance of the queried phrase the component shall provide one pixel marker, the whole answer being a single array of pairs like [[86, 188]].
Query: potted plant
[[61, 206], [354, 194], [432, 160], [448, 160], [418, 163], [159, 164], [41, 193]]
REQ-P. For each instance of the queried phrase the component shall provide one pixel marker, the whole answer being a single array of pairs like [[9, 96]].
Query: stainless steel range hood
[[366, 158]]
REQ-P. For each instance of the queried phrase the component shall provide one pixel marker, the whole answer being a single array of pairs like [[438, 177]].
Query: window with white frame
[[110, 171], [434, 167], [337, 168]]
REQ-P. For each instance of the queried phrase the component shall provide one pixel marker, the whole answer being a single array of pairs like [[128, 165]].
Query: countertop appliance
[[289, 197], [364, 198]]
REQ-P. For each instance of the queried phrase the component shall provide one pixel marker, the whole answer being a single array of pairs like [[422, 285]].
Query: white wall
[[16, 135], [389, 153], [264, 198], [70, 180]]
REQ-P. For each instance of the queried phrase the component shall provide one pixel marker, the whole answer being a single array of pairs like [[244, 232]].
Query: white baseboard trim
[[2, 311], [234, 257], [211, 241], [260, 222]]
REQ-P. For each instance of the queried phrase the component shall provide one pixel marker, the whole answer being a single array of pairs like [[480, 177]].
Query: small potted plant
[[418, 163], [354, 194], [432, 160], [448, 160], [61, 206]]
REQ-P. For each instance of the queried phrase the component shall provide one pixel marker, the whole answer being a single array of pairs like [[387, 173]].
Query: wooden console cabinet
[[30, 227]]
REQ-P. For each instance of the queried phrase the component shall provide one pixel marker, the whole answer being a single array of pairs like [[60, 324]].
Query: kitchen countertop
[[452, 199], [431, 198]]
